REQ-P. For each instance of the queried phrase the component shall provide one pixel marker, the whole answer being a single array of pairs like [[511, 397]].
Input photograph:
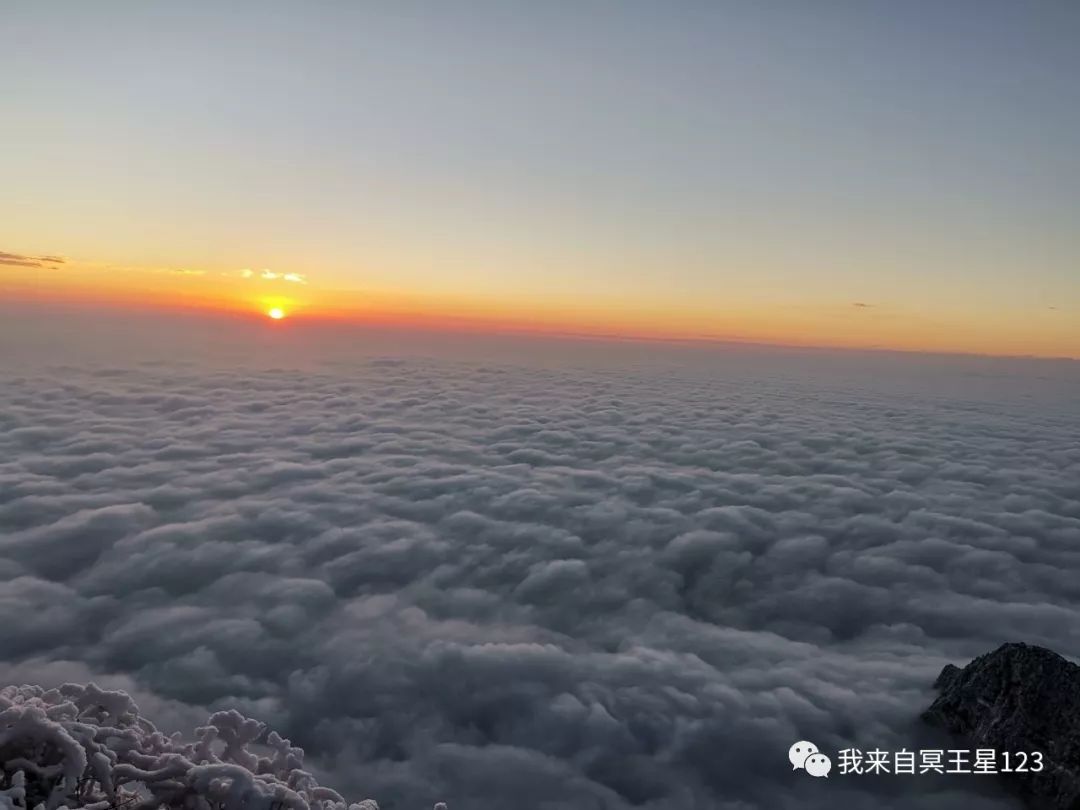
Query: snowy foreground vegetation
[[81, 746]]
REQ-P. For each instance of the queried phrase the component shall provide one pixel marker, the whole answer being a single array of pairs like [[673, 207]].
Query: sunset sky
[[868, 174]]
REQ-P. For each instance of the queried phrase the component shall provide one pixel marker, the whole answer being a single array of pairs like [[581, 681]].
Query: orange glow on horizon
[[829, 325]]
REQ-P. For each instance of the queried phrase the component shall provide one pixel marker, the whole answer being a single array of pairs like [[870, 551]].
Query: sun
[[277, 313]]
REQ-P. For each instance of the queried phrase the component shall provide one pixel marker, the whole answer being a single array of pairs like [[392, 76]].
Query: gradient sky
[[897, 174]]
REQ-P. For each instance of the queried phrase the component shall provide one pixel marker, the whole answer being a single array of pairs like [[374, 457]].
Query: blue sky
[[920, 155]]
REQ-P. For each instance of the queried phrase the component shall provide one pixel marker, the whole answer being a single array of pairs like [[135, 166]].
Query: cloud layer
[[19, 260], [508, 587]]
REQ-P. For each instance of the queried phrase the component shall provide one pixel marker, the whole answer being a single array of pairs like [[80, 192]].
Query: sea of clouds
[[507, 582]]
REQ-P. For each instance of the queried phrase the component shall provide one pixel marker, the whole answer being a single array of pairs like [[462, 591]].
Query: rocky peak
[[1019, 698]]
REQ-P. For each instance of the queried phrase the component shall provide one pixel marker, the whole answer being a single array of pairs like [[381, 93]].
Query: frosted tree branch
[[85, 747]]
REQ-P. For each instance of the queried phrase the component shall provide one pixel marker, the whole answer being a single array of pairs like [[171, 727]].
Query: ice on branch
[[85, 747]]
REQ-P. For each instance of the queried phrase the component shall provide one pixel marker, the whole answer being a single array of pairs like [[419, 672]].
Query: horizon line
[[482, 327]]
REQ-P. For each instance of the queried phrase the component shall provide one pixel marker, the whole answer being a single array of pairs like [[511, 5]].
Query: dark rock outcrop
[[1019, 698]]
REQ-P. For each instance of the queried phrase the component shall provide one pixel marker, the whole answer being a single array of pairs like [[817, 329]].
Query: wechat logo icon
[[806, 755]]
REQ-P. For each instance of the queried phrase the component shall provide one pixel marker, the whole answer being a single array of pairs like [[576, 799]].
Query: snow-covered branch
[[86, 747]]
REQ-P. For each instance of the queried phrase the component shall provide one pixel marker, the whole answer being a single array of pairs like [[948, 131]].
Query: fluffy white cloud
[[270, 275], [509, 587]]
